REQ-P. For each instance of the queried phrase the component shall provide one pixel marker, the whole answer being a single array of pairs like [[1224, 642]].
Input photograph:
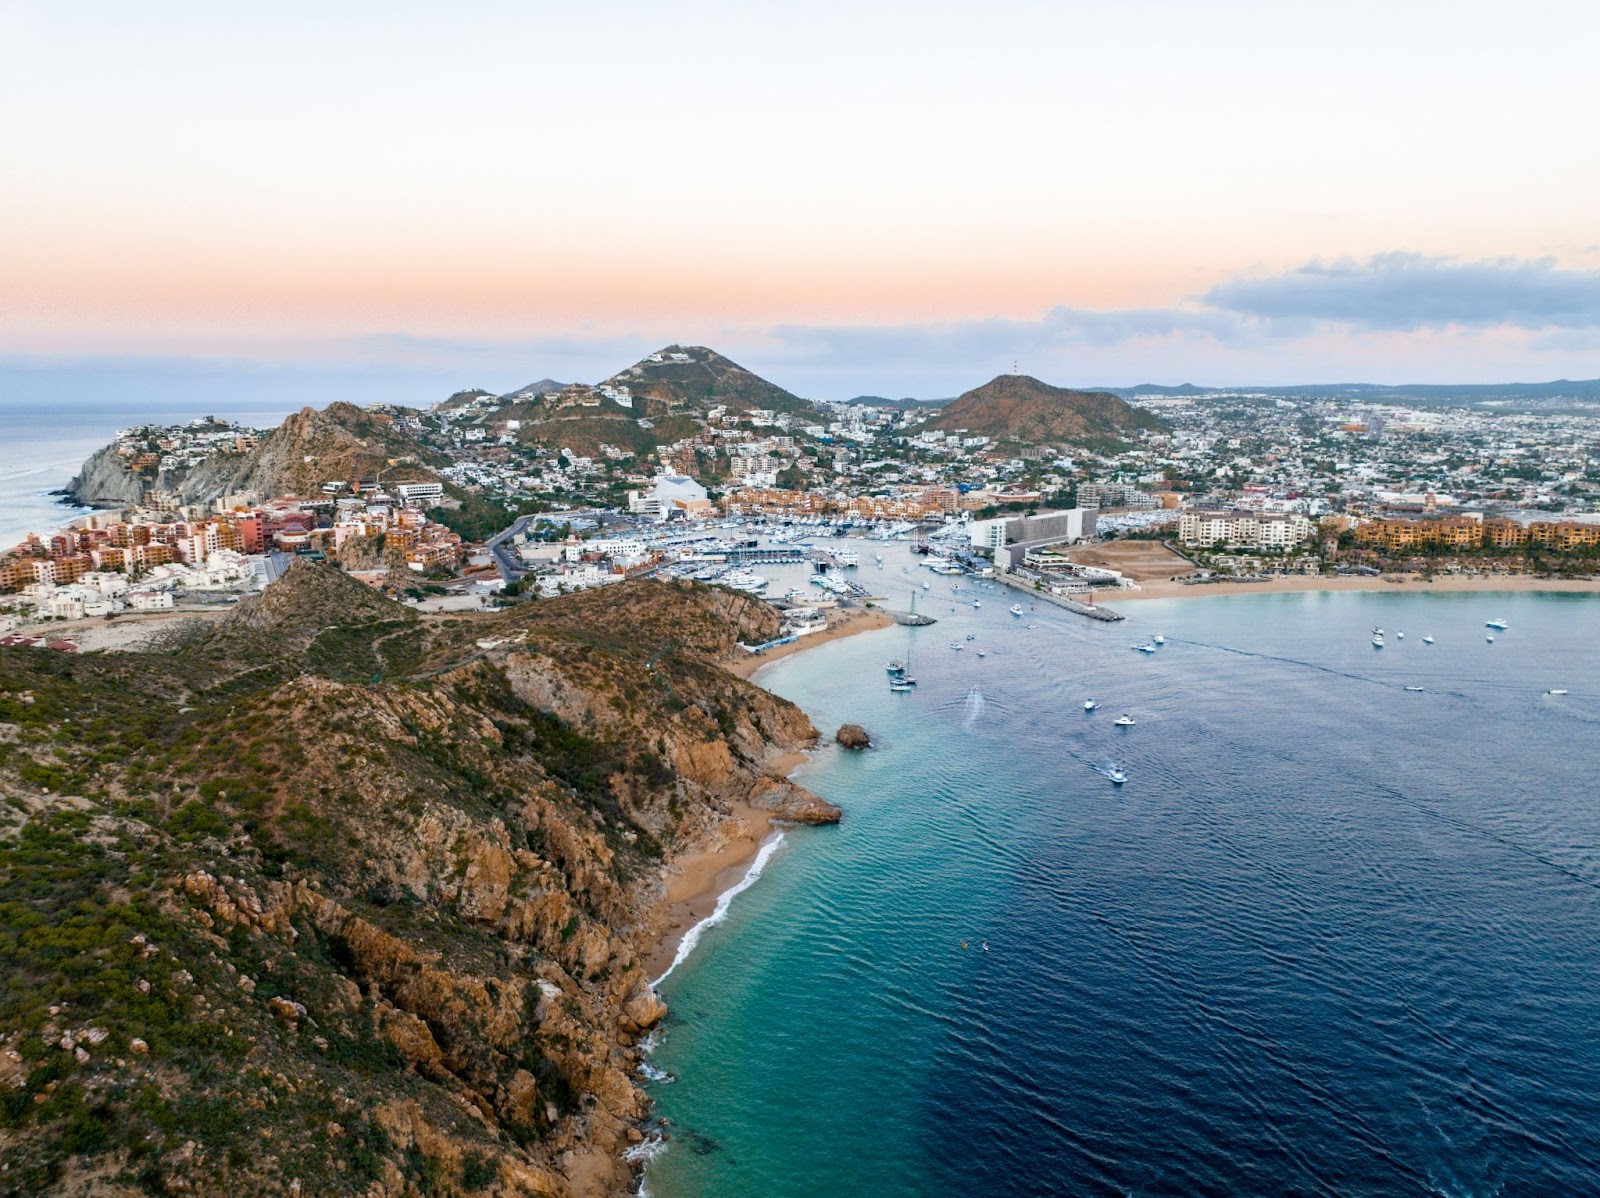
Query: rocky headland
[[330, 898]]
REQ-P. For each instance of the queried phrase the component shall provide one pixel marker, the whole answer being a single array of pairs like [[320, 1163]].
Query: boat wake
[[692, 937]]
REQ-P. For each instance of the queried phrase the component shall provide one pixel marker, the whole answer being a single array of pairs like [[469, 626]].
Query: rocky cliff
[[105, 481], [338, 900]]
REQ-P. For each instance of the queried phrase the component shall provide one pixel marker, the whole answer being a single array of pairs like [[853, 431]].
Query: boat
[[1090, 705], [957, 646], [1416, 688], [927, 586], [1427, 640], [1555, 691], [899, 686], [896, 667], [1146, 648], [847, 557], [1489, 637], [1377, 632], [1125, 721], [1116, 775], [1497, 625], [977, 603], [983, 653], [1377, 642], [1399, 636], [972, 636], [1159, 639], [1016, 609]]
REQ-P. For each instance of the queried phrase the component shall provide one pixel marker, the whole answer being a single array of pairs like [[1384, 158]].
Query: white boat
[[927, 586], [1377, 642], [1497, 625], [1555, 691], [1159, 639], [1377, 632], [1145, 648], [1125, 721], [1116, 775], [847, 557], [1016, 609], [1399, 636], [957, 646], [896, 667], [1427, 640], [1415, 688], [899, 686], [1489, 637], [977, 603], [1090, 705], [983, 653]]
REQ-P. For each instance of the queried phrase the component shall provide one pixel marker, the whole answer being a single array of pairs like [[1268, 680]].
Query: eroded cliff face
[[105, 481], [374, 937]]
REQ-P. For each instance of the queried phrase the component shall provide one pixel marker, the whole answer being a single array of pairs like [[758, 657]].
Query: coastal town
[[484, 500]]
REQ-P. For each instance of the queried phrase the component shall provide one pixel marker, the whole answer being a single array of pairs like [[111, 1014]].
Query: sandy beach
[[840, 624], [1440, 584]]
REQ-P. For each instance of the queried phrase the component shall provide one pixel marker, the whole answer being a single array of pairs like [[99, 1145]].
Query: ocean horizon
[[1333, 935], [44, 441]]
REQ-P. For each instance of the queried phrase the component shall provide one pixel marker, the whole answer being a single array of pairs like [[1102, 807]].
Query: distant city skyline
[[878, 197]]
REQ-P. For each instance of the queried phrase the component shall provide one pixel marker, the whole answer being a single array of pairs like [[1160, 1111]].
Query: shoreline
[[851, 622], [1403, 583]]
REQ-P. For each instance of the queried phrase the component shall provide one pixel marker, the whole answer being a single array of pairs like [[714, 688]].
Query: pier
[[1093, 611]]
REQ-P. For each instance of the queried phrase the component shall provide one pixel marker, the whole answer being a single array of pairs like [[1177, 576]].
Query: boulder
[[853, 736], [794, 803]]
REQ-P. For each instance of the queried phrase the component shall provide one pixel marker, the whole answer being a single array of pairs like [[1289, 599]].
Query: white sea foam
[[692, 936]]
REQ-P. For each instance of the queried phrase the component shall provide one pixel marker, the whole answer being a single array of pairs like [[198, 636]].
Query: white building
[[420, 492], [669, 493], [1245, 530]]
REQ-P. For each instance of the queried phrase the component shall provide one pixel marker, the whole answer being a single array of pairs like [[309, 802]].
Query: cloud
[[1399, 292]]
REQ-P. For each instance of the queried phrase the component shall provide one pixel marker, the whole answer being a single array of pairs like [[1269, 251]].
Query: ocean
[[1332, 936], [43, 442]]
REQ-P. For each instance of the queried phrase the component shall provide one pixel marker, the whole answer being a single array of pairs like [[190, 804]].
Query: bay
[[1332, 937]]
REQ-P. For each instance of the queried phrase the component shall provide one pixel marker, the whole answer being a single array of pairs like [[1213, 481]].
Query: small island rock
[[853, 736]]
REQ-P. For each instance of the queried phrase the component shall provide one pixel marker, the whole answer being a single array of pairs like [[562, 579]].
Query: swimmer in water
[[963, 946]]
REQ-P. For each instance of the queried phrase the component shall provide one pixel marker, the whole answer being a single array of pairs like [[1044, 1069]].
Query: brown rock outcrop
[[853, 736]]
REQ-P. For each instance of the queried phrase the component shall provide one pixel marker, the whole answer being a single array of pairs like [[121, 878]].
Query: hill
[[532, 391], [338, 900], [694, 378], [1020, 409]]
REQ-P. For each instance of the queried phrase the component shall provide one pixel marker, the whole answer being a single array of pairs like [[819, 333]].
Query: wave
[[720, 913]]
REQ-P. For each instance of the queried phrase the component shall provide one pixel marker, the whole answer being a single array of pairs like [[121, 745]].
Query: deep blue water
[[1332, 937]]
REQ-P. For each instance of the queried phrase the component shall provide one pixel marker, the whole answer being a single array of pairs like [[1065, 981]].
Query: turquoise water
[[1332, 936]]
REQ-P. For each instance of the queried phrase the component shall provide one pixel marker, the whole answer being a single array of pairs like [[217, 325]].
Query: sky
[[880, 196]]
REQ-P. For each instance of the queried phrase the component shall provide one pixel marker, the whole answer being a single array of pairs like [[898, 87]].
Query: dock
[[1092, 610], [909, 619]]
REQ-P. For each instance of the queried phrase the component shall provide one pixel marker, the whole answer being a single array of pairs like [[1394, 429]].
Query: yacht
[[1377, 641], [1497, 625], [1125, 721], [1489, 637], [1556, 691], [1415, 688], [1427, 640], [899, 686], [1377, 632], [1090, 705], [1016, 609], [1159, 639], [1399, 636], [1146, 648], [1116, 774], [927, 586], [957, 646], [977, 603], [847, 557], [896, 668], [983, 653]]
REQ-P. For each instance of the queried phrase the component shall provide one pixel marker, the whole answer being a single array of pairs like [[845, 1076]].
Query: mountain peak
[[1021, 408]]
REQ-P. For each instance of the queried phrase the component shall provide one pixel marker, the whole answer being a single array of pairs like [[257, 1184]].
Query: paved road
[[509, 565]]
